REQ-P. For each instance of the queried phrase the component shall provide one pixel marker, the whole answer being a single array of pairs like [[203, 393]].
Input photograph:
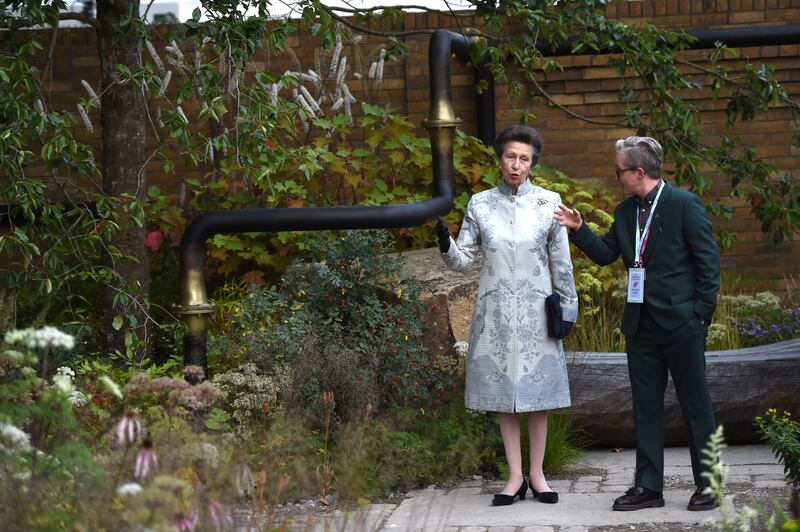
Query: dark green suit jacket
[[681, 259]]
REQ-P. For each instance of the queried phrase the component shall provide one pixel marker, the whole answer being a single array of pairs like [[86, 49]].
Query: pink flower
[[146, 459], [129, 428], [222, 521], [154, 239], [188, 523]]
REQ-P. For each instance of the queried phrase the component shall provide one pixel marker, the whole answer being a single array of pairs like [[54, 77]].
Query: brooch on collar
[[541, 200]]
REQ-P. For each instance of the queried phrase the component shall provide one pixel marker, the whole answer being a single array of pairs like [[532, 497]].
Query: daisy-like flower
[[131, 488], [129, 428], [146, 459]]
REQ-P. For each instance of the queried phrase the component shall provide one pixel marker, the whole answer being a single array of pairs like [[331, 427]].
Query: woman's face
[[515, 163]]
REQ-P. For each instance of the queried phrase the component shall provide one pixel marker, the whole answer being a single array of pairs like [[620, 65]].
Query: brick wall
[[586, 85]]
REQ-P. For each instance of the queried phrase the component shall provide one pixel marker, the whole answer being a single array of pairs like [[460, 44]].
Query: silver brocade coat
[[512, 365]]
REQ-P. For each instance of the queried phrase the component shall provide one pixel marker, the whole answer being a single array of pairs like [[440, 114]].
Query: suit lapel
[[658, 219], [629, 230]]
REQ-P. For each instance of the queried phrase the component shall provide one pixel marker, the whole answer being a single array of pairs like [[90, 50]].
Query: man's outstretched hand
[[567, 217]]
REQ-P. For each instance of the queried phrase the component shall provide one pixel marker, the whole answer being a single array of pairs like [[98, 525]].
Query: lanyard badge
[[636, 275]]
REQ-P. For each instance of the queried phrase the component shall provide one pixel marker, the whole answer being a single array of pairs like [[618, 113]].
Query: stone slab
[[573, 509]]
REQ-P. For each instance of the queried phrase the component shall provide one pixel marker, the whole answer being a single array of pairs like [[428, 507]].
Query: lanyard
[[641, 236]]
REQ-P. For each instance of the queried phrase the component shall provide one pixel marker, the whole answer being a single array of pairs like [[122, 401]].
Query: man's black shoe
[[701, 501], [638, 498]]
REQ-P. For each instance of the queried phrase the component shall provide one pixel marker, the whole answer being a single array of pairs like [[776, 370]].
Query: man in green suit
[[664, 237]]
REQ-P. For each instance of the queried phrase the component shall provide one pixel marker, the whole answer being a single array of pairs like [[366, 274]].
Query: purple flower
[[129, 428], [146, 459]]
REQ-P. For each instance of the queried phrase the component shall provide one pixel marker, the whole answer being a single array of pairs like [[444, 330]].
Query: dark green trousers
[[653, 352]]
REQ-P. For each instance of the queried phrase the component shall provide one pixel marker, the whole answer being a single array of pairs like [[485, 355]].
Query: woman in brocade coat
[[513, 365]]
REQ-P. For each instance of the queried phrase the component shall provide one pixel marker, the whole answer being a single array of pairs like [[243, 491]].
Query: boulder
[[450, 294]]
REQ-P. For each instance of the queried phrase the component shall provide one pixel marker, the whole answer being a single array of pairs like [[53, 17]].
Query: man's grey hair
[[643, 152]]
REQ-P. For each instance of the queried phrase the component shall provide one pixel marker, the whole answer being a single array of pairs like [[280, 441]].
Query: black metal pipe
[[484, 106], [707, 37], [744, 37], [441, 123]]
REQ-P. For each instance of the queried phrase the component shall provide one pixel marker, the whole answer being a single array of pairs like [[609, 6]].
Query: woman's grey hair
[[643, 152], [519, 133]]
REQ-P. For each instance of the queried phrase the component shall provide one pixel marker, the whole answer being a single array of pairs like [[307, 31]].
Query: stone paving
[[585, 499]]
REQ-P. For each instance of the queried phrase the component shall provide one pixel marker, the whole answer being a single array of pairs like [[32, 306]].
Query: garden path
[[755, 478]]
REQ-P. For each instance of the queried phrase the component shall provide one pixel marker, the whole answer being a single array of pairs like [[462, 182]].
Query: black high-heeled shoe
[[501, 499], [549, 497]]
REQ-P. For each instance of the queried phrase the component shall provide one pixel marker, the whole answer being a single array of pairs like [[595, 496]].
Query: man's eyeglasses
[[621, 171]]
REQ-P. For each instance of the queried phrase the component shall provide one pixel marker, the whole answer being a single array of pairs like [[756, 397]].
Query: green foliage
[[782, 434], [758, 319], [658, 82], [564, 443], [408, 449], [594, 202], [345, 319], [45, 458], [597, 329], [53, 248], [747, 518], [250, 397]]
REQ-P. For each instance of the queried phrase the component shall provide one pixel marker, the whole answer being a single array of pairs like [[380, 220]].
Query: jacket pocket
[[676, 299]]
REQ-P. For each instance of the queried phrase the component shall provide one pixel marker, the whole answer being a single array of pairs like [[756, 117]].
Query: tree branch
[[80, 17], [361, 29], [788, 101], [449, 12], [568, 111]]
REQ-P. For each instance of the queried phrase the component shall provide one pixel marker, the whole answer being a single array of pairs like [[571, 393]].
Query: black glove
[[443, 234]]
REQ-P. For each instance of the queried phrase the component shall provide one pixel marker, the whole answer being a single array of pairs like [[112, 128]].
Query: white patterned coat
[[512, 365]]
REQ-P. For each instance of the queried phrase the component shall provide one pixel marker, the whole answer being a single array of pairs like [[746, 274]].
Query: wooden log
[[743, 384]]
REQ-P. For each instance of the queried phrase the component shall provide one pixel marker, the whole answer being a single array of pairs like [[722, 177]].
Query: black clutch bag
[[557, 327]]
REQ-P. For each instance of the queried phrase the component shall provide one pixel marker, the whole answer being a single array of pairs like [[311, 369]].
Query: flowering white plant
[[131, 488], [461, 348], [43, 338]]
